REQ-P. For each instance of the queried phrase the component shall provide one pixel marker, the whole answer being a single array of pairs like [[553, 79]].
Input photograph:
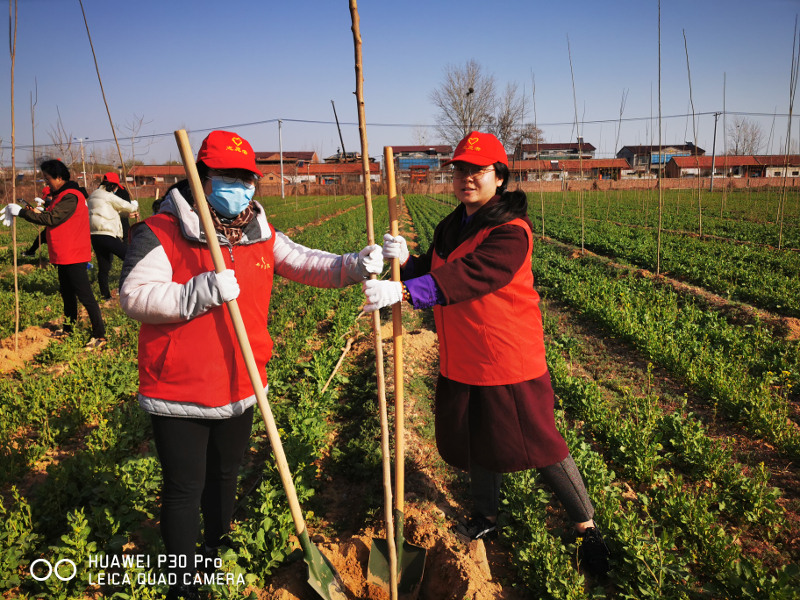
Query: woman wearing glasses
[[192, 376], [494, 400]]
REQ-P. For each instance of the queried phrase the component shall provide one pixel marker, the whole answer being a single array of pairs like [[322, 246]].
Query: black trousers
[[38, 241], [106, 248], [200, 460], [73, 283]]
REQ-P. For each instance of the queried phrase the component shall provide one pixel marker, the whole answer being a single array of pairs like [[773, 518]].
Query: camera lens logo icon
[[51, 569]]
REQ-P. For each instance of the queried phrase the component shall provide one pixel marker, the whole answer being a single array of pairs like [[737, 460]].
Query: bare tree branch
[[745, 137], [465, 100]]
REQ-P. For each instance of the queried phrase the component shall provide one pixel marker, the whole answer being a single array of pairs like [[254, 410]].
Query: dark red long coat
[[503, 428]]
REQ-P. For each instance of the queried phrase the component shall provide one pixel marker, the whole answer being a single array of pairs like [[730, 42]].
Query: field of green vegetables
[[698, 493]]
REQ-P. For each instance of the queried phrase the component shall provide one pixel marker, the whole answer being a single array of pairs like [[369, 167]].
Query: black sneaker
[[29, 254], [593, 552], [209, 556], [477, 528]]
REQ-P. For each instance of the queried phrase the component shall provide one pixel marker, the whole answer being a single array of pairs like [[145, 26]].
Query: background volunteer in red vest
[[69, 245], [192, 377], [494, 400]]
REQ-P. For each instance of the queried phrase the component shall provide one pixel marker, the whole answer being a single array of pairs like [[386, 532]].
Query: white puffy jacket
[[104, 209]]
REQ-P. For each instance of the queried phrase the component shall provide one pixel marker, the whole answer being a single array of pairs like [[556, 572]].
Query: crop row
[[746, 372], [102, 495], [425, 214], [766, 278], [284, 216], [749, 217]]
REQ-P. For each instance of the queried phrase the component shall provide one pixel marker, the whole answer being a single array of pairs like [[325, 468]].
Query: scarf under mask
[[232, 229]]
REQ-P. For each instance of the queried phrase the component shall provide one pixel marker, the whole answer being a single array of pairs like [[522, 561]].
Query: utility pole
[[341, 139], [280, 144], [713, 150], [83, 160]]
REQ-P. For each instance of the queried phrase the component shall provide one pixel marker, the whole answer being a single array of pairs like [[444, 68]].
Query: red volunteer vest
[[496, 339], [70, 242], [199, 361]]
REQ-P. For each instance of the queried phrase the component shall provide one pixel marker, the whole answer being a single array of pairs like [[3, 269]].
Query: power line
[[405, 125]]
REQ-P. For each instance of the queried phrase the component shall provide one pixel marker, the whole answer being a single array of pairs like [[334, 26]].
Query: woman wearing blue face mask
[[202, 410]]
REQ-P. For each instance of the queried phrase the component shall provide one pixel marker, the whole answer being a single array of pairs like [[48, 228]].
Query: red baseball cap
[[46, 190], [227, 150], [112, 177], [482, 149]]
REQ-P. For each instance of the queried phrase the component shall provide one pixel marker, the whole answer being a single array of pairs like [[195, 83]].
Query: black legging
[[106, 248], [38, 241], [73, 283], [200, 461], [563, 479]]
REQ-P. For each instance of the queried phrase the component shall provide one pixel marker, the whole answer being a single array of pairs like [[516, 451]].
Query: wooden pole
[[397, 328], [13, 49], [376, 322], [660, 189], [103, 92]]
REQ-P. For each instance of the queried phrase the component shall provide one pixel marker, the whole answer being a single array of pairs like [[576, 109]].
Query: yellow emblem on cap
[[237, 141], [472, 141]]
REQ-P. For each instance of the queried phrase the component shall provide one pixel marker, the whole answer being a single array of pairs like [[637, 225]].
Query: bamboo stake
[[39, 230], [580, 150], [538, 158], [103, 92], [12, 42], [792, 91], [376, 322], [660, 189], [616, 141], [694, 131]]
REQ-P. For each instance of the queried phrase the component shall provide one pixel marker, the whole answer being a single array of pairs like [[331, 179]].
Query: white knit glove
[[227, 285], [11, 211], [395, 247], [381, 293], [370, 261], [39, 202], [134, 206]]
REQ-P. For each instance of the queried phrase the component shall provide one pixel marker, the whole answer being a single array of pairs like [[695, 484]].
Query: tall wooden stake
[[376, 320], [580, 148], [694, 132], [12, 42], [103, 92], [538, 158], [792, 91], [660, 190]]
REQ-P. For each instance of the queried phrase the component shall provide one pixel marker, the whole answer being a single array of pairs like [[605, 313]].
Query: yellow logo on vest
[[263, 264]]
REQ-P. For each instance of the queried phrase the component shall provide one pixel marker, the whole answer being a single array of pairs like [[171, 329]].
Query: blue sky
[[203, 64]]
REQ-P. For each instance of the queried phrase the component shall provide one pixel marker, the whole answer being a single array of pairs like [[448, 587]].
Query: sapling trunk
[[376, 323]]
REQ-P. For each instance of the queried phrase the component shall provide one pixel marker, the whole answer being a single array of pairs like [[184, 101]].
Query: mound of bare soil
[[30, 342], [453, 570]]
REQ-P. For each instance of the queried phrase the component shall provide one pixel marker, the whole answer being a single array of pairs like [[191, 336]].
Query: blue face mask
[[230, 199]]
